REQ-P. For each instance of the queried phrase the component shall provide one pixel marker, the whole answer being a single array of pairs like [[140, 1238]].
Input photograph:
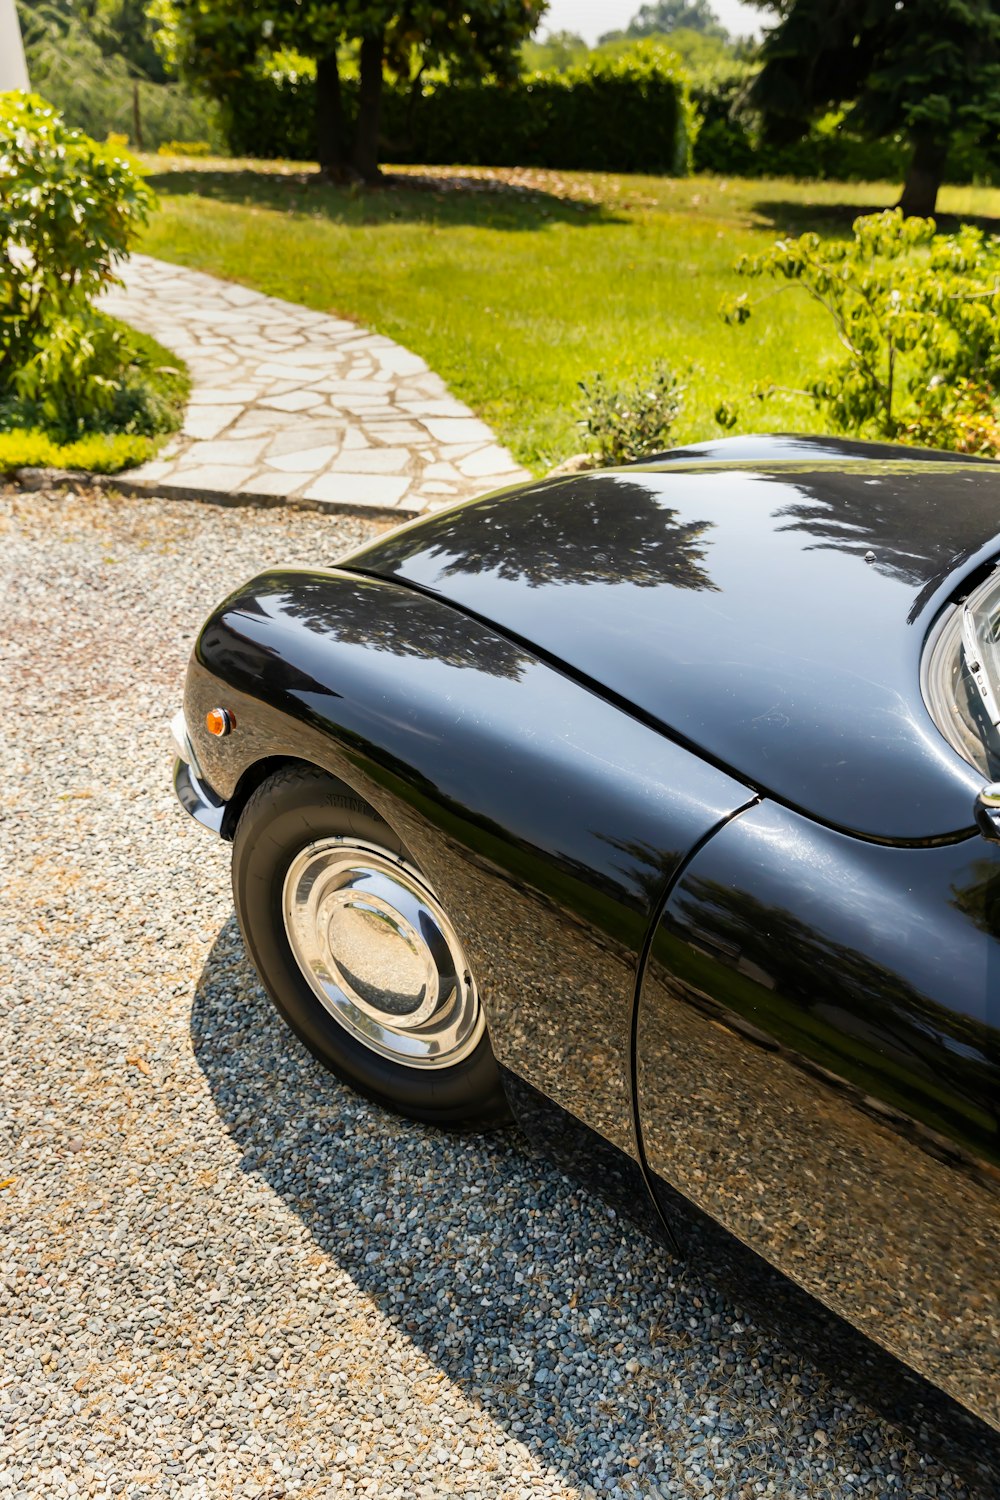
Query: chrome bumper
[[192, 791]]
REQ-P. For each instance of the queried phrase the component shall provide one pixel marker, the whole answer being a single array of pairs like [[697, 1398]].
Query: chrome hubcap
[[379, 953]]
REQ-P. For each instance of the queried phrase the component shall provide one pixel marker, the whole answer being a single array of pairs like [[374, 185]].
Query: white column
[[13, 72]]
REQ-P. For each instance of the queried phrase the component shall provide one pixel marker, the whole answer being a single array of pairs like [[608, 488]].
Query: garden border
[[34, 479]]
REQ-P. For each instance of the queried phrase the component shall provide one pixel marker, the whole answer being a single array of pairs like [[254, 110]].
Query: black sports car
[[662, 799]]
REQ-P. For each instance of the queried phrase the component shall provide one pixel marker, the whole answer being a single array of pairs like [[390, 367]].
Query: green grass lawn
[[517, 287]]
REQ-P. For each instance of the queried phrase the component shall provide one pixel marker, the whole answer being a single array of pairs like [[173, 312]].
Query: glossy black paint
[[548, 822], [735, 607], [818, 1069], [765, 449], [813, 1062]]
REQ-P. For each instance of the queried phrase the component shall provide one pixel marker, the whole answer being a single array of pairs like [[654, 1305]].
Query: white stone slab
[[373, 461], [487, 462], [293, 401], [209, 421], [269, 483], [244, 450], [359, 489], [457, 429], [304, 461], [223, 478]]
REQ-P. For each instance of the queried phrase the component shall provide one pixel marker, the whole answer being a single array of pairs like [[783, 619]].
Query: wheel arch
[[255, 775]]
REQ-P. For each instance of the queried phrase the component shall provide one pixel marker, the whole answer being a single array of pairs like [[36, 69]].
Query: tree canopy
[[118, 28], [926, 69], [675, 15], [215, 41]]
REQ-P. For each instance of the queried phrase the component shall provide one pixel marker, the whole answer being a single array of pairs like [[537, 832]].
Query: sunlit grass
[[517, 288]]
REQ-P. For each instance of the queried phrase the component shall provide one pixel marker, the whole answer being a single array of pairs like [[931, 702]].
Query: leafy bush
[[94, 374], [634, 421], [628, 113], [69, 209], [918, 316]]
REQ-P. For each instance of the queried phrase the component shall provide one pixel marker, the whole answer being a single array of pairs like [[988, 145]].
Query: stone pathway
[[291, 404]]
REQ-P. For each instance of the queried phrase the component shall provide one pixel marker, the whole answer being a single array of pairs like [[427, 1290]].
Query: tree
[[119, 28], [929, 69], [559, 51], [216, 41], [672, 15]]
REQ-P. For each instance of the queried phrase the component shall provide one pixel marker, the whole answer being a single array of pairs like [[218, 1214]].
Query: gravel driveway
[[221, 1274]]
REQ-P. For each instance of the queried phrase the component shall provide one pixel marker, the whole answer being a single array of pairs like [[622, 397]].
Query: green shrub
[[634, 421], [917, 315], [96, 375], [627, 113], [69, 209]]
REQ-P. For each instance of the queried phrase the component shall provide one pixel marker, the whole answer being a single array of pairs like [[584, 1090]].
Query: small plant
[[918, 317], [629, 422]]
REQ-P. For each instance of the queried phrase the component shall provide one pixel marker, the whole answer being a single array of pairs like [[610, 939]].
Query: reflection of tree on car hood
[[571, 535]]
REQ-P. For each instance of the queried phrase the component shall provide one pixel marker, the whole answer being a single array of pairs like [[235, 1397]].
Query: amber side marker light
[[219, 721]]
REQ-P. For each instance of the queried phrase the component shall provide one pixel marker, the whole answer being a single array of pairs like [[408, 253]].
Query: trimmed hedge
[[631, 113], [626, 114]]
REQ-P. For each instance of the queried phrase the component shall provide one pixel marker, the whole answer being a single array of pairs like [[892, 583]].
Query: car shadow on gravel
[[608, 1360]]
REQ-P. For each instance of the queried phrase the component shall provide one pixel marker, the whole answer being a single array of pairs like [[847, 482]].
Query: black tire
[[290, 810]]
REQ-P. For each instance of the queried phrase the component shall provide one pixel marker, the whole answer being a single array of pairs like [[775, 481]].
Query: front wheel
[[358, 954]]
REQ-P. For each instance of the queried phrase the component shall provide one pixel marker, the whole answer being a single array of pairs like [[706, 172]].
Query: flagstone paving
[[292, 404]]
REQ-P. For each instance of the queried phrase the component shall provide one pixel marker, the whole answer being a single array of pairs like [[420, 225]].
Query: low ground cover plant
[[917, 315], [69, 211]]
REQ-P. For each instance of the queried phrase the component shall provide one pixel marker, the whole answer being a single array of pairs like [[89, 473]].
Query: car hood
[[769, 613]]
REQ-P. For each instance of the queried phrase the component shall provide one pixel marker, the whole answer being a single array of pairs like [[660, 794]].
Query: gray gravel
[[221, 1274]]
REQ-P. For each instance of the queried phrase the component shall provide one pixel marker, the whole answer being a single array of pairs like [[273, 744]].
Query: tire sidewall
[[287, 812]]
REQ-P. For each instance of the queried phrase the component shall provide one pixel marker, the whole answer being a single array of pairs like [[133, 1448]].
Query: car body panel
[[765, 449], [771, 617], [657, 740], [818, 1069], [547, 821]]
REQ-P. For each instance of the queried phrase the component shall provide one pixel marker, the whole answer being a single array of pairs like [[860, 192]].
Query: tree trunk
[[925, 175], [369, 109], [411, 101], [136, 116], [331, 142]]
